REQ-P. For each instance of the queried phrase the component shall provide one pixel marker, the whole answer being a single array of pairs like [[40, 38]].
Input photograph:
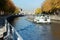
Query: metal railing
[[12, 34]]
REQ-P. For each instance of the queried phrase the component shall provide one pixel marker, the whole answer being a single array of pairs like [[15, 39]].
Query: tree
[[17, 10], [55, 6], [7, 6], [46, 6], [51, 6], [38, 11]]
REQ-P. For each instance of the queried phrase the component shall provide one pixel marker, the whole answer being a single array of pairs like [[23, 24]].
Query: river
[[32, 31]]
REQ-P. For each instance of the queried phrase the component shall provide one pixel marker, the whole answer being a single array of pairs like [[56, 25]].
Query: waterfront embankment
[[54, 18], [55, 26], [24, 27], [2, 30]]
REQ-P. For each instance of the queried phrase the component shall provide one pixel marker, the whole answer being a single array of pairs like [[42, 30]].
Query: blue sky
[[28, 4]]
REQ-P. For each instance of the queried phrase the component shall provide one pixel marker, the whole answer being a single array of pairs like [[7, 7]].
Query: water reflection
[[32, 31]]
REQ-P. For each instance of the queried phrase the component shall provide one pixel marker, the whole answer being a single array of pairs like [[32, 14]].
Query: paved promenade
[[55, 17], [2, 26], [2, 30]]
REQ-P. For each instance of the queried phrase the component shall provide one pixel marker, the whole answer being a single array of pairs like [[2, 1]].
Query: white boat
[[42, 19]]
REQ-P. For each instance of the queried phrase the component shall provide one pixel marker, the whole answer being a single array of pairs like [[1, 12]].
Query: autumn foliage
[[7, 6], [46, 6], [38, 11], [51, 6]]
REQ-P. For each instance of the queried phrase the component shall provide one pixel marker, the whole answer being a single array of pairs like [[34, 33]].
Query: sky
[[28, 4]]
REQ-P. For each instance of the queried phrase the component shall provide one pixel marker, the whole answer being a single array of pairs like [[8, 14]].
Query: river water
[[32, 31]]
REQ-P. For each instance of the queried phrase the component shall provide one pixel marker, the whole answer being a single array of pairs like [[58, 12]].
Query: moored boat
[[42, 19]]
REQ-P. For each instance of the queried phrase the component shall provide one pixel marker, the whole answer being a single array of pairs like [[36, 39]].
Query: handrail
[[13, 31]]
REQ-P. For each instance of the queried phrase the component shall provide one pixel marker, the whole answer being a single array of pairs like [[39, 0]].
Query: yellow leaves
[[46, 6], [57, 4], [50, 5], [7, 6], [17, 10], [38, 11], [58, 7]]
